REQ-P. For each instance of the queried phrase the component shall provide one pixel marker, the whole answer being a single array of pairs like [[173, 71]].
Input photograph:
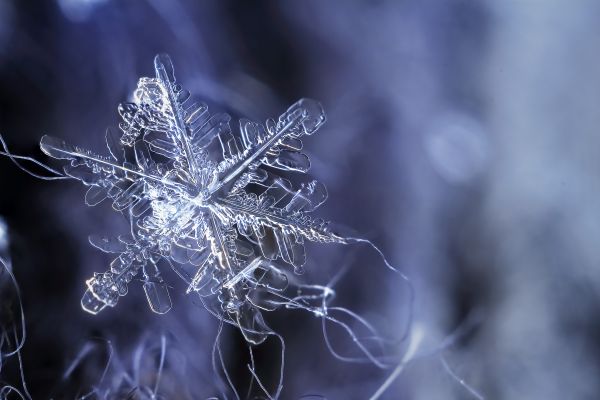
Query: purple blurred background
[[462, 137]]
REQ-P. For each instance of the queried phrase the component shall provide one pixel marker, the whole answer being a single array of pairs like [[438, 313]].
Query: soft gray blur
[[484, 146]]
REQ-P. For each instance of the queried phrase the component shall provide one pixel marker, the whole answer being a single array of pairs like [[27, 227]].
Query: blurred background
[[462, 138]]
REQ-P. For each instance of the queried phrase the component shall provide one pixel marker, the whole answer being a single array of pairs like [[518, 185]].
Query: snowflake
[[219, 218]]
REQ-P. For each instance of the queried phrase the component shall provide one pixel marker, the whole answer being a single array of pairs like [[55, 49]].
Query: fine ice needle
[[415, 341]]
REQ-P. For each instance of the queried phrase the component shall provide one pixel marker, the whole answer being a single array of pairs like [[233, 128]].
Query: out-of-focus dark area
[[462, 137]]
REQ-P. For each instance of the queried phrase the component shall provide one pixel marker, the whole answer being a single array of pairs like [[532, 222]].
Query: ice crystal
[[221, 219]]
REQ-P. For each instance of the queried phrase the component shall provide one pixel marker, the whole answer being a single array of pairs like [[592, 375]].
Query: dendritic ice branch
[[219, 218]]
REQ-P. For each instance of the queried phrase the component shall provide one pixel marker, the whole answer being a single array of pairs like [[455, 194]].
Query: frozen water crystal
[[220, 220]]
